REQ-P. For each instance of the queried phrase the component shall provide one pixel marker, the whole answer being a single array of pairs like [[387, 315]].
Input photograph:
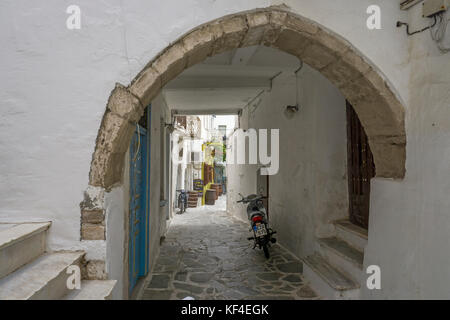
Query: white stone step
[[351, 233], [327, 281], [342, 256], [92, 290], [42, 279], [20, 244]]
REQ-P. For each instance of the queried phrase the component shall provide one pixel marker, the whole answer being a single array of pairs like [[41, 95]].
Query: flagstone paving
[[206, 255]]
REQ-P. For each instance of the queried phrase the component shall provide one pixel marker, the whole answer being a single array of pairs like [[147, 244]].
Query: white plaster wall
[[387, 47], [117, 217], [157, 215], [409, 227], [310, 189], [55, 85]]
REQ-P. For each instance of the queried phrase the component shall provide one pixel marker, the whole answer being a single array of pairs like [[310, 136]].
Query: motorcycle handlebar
[[254, 199]]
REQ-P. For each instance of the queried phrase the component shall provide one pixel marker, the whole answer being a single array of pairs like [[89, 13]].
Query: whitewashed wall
[[55, 85], [387, 47], [409, 227]]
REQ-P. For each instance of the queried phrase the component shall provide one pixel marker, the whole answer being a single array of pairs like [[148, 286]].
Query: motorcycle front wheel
[[266, 251]]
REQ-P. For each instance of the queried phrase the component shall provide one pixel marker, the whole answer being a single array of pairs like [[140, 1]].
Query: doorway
[[361, 169], [139, 200]]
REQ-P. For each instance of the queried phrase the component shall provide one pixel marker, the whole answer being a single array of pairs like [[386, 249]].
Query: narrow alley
[[206, 255]]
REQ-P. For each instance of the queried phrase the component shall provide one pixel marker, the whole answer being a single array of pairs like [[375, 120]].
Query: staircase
[[27, 271], [335, 270]]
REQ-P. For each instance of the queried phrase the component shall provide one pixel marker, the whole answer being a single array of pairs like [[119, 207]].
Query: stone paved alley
[[206, 255]]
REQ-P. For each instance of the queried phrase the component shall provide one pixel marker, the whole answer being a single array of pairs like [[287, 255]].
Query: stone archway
[[376, 104]]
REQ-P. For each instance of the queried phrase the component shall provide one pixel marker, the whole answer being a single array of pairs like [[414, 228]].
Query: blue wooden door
[[139, 204]]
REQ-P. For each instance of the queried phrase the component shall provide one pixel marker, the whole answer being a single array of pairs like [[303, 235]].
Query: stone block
[[389, 158], [92, 216], [278, 18], [340, 73], [90, 231], [234, 30], [355, 59], [198, 44], [146, 85], [95, 270], [124, 104], [334, 43], [115, 133], [376, 115], [112, 143], [258, 26], [292, 42], [171, 62], [276, 22], [317, 56], [300, 24], [383, 89], [114, 170]]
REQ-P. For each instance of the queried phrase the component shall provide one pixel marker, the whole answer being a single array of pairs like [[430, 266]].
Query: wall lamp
[[169, 127], [292, 109]]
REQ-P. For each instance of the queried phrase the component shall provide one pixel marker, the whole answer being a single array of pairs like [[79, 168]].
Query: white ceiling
[[227, 82], [210, 101]]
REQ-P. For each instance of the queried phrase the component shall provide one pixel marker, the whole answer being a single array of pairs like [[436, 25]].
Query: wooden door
[[139, 204], [361, 169], [207, 174]]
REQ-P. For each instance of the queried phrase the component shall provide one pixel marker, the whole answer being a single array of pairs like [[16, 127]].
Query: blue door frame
[[139, 203]]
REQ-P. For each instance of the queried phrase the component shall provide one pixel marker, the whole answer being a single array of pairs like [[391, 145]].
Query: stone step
[[42, 279], [21, 243], [92, 290], [327, 281], [342, 256], [351, 233]]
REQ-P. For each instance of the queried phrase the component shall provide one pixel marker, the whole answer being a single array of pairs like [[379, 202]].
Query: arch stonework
[[377, 106]]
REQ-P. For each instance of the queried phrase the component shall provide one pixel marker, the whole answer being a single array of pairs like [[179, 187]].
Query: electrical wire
[[139, 143], [399, 24]]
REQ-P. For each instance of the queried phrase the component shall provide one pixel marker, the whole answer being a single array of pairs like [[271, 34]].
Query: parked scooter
[[182, 201], [257, 214]]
